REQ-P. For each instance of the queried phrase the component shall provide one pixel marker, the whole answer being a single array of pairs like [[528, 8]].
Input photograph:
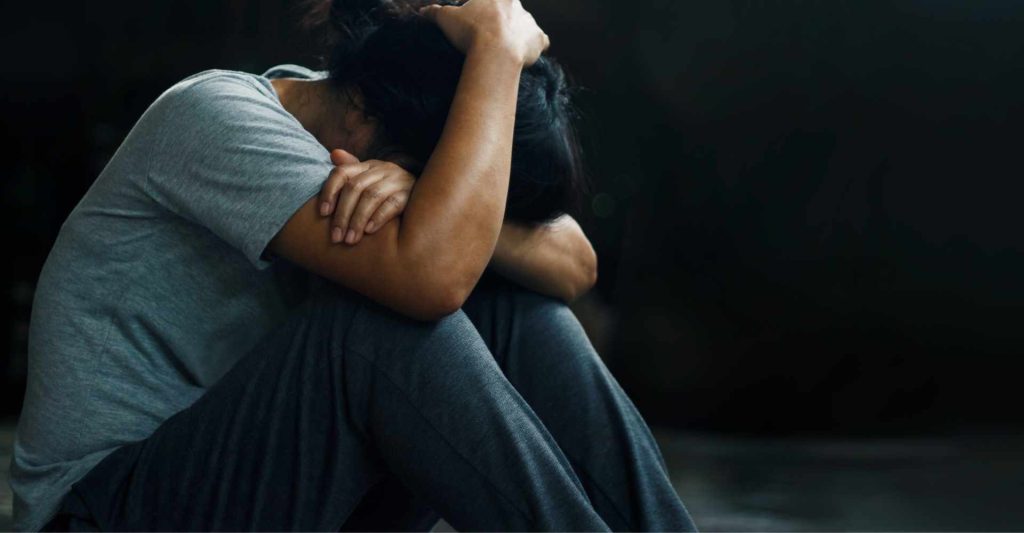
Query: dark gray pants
[[500, 416]]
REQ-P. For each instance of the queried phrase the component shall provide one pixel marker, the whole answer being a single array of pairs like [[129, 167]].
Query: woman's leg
[[546, 355], [391, 506], [343, 396]]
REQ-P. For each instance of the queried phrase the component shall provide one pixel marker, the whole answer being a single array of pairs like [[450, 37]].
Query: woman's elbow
[[430, 308], [590, 275], [579, 284], [448, 301], [587, 273], [438, 299]]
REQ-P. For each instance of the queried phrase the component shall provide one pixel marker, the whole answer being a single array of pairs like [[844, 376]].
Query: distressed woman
[[270, 311]]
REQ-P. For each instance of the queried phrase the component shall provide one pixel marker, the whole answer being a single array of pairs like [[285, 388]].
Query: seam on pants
[[408, 400]]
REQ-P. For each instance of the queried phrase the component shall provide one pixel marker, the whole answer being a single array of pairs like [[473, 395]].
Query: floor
[[736, 484], [743, 484]]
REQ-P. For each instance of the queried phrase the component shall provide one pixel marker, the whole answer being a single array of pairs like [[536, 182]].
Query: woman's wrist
[[496, 48], [509, 243]]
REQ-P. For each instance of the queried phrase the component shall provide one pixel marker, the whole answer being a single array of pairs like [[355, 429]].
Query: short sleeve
[[232, 159]]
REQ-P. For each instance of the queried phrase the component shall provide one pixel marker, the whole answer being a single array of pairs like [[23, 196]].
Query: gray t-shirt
[[158, 282]]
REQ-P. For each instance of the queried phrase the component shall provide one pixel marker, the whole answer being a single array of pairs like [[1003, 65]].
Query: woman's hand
[[363, 196], [426, 263], [489, 23]]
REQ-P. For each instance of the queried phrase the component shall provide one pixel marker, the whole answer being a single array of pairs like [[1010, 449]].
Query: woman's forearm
[[555, 259], [455, 212], [425, 264]]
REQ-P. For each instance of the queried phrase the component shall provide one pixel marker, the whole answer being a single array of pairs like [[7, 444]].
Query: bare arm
[[555, 259], [426, 264]]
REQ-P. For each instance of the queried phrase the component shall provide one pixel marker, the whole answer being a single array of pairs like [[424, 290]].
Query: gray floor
[[739, 484], [964, 484]]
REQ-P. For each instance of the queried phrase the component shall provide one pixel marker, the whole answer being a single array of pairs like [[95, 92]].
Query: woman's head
[[406, 71]]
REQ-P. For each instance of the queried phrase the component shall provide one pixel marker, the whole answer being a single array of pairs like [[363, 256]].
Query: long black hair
[[406, 72]]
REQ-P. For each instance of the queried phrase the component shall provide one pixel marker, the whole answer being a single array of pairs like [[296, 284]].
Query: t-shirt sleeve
[[231, 159]]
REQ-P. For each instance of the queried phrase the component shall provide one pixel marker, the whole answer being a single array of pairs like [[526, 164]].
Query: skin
[[425, 263], [555, 259]]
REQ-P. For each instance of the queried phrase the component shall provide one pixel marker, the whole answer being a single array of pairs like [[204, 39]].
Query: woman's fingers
[[431, 10], [343, 157], [388, 210], [329, 190], [362, 197], [506, 20], [348, 198], [335, 181], [382, 193]]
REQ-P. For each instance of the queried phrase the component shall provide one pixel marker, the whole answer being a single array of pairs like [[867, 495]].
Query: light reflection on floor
[[951, 484], [744, 484]]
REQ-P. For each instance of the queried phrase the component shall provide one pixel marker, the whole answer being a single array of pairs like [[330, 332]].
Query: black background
[[806, 212]]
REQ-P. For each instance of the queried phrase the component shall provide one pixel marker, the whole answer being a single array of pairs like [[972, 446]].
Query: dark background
[[806, 212]]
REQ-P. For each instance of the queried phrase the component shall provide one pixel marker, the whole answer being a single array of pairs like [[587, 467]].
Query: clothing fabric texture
[[158, 278], [141, 396], [350, 416]]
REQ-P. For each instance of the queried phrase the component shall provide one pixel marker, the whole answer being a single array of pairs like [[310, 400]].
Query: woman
[[187, 372]]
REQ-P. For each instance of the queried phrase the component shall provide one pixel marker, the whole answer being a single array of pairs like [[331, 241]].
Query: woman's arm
[[426, 265], [555, 259]]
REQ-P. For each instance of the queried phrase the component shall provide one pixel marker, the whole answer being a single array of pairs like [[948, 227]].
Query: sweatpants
[[350, 416]]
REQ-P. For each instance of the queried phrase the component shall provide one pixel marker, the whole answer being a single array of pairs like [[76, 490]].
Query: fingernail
[[350, 237], [336, 235], [370, 225], [325, 209]]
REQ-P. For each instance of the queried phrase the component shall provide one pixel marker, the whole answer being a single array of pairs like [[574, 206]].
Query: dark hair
[[406, 72]]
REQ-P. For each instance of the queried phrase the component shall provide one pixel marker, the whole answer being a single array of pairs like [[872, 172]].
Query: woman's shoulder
[[216, 99], [289, 70], [215, 83], [218, 84]]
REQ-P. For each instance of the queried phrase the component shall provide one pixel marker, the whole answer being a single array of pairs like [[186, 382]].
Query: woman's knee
[[514, 319], [498, 300], [550, 329], [376, 331], [354, 322]]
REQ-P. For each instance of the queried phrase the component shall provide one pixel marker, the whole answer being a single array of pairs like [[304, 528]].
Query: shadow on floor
[[750, 484]]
